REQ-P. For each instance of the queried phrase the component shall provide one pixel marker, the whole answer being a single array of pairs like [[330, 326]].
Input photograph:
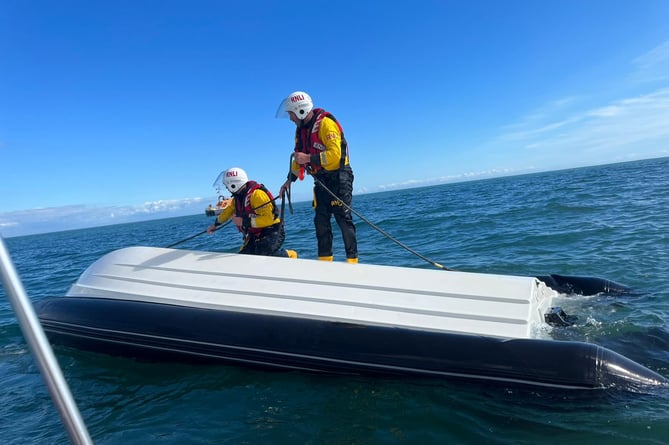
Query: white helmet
[[235, 178], [298, 102]]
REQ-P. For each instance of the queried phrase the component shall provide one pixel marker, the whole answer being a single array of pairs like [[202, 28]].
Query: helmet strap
[[307, 119], [241, 189]]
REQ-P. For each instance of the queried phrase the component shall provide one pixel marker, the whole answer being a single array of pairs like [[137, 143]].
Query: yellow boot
[[352, 260], [291, 253], [326, 258]]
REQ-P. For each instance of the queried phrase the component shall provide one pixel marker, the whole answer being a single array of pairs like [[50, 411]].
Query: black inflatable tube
[[566, 284], [165, 332]]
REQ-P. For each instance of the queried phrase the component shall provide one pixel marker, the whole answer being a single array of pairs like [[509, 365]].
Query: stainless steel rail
[[41, 349]]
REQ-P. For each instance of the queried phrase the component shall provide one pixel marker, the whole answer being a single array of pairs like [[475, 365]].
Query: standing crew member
[[253, 212], [321, 149]]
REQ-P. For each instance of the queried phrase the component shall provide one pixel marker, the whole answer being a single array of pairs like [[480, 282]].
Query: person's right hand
[[238, 221], [211, 229]]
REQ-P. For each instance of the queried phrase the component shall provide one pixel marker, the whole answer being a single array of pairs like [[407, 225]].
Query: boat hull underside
[[185, 334]]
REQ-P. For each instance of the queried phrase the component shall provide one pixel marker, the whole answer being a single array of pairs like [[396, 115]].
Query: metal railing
[[41, 349]]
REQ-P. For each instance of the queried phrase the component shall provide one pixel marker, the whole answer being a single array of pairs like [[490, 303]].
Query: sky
[[124, 110]]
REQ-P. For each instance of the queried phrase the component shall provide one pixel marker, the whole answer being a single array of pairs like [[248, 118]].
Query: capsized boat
[[301, 314]]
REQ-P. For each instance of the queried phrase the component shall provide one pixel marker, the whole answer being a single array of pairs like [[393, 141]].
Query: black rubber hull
[[165, 332], [569, 284]]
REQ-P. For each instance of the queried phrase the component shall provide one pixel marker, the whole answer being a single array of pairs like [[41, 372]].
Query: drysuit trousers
[[340, 183], [268, 242]]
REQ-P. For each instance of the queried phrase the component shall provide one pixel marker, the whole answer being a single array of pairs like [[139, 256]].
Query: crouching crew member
[[256, 216]]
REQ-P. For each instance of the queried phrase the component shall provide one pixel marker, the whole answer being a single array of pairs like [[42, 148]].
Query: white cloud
[[466, 176], [608, 111], [559, 135], [628, 124], [622, 123], [25, 222], [528, 132], [546, 112], [654, 65]]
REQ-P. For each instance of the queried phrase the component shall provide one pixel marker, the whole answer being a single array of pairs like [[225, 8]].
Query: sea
[[608, 221]]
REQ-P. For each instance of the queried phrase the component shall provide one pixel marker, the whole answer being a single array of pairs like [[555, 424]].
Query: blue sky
[[115, 111]]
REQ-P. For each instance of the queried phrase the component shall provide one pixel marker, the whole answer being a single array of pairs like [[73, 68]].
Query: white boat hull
[[329, 317]]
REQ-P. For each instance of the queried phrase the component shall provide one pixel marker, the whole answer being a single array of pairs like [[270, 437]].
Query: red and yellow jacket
[[256, 209], [324, 141]]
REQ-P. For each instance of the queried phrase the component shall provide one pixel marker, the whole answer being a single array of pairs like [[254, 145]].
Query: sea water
[[608, 221]]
